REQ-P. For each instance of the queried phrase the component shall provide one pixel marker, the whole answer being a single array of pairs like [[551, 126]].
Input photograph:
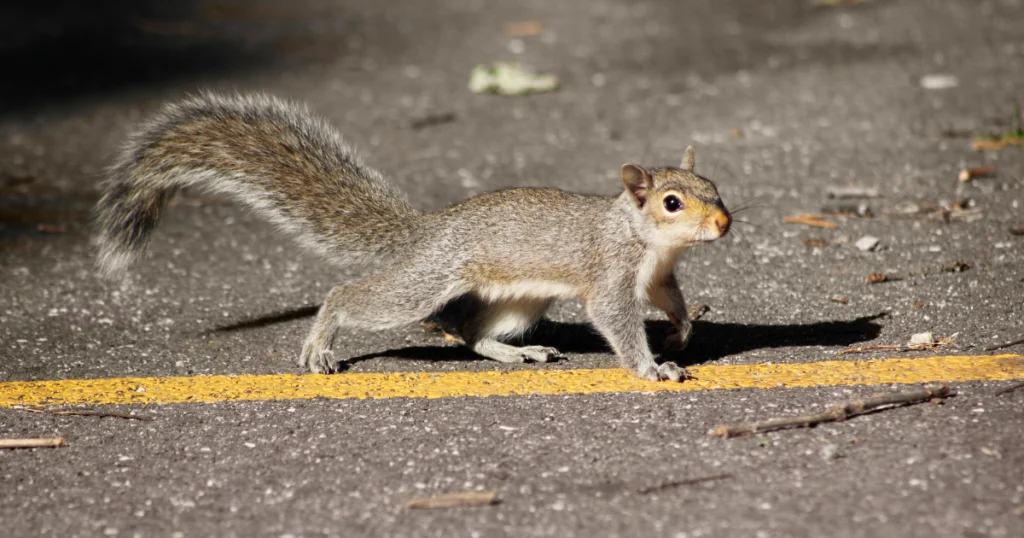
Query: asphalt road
[[783, 100]]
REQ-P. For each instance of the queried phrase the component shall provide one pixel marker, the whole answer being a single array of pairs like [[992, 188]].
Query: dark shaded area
[[29, 208], [270, 319], [710, 341], [41, 215], [57, 51]]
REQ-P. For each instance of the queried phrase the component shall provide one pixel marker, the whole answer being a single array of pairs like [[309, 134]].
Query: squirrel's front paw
[[319, 359], [678, 338], [666, 371]]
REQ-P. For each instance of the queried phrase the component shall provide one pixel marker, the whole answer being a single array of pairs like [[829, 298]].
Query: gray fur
[[501, 258], [290, 166]]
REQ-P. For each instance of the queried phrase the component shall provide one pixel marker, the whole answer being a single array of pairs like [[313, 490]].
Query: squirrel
[[506, 256]]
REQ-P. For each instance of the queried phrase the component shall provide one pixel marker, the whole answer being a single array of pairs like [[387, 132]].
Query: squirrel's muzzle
[[722, 221]]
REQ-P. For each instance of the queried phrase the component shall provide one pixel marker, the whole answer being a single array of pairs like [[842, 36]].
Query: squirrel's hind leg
[[486, 322], [379, 302]]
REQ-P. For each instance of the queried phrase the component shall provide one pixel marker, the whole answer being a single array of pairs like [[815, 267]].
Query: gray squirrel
[[506, 255]]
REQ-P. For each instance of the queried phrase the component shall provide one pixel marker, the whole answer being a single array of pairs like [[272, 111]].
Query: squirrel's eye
[[672, 203]]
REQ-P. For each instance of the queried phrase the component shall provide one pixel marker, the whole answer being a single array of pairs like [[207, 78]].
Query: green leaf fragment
[[505, 78]]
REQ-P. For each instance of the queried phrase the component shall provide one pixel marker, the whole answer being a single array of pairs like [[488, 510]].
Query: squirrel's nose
[[723, 221]]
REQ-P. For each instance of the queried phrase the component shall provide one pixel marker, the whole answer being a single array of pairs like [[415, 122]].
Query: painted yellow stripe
[[163, 390]]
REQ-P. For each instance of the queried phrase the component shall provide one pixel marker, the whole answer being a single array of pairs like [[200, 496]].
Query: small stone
[[956, 267], [907, 208], [867, 243], [922, 338], [939, 82], [829, 452], [516, 46]]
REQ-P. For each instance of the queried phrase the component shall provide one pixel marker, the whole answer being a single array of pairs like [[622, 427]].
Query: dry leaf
[[875, 278], [698, 311], [955, 267], [430, 326], [523, 28], [993, 144], [815, 242]]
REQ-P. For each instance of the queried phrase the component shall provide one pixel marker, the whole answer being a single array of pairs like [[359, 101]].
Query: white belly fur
[[527, 289]]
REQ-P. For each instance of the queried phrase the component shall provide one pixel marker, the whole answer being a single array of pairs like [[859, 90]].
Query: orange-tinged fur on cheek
[[696, 222]]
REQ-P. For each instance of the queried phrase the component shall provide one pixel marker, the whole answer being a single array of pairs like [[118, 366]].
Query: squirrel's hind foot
[[501, 352], [540, 354]]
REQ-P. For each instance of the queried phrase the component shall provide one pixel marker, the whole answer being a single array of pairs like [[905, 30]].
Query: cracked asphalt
[[783, 101]]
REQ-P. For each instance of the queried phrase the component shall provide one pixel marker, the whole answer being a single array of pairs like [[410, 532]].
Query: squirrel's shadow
[[711, 340]]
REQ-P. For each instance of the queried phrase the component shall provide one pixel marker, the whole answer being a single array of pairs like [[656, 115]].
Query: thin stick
[[453, 500], [863, 349], [810, 220], [687, 482], [1009, 389], [83, 413], [834, 413], [851, 192], [1002, 346], [925, 346], [41, 442]]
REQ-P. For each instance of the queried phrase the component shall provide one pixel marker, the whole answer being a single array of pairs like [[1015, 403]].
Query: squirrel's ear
[[638, 182], [688, 159]]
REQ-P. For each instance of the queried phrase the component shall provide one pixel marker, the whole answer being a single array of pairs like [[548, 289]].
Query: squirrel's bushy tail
[[276, 157]]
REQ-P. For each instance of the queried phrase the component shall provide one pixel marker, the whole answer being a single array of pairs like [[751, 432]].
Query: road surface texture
[[783, 101]]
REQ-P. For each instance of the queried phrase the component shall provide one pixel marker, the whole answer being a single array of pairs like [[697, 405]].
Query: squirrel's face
[[680, 207]]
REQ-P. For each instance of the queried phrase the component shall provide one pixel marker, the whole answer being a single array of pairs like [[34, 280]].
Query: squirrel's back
[[276, 157]]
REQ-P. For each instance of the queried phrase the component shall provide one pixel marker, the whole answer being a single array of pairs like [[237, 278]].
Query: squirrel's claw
[[319, 360], [670, 371], [667, 371]]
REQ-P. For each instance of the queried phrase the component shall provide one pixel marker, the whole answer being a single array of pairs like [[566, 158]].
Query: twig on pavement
[[921, 346], [834, 413], [1009, 389], [863, 349], [810, 220], [453, 500], [39, 442], [1003, 346], [687, 482], [83, 412]]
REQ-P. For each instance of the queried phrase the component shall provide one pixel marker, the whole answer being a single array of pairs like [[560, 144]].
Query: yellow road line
[[164, 390]]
